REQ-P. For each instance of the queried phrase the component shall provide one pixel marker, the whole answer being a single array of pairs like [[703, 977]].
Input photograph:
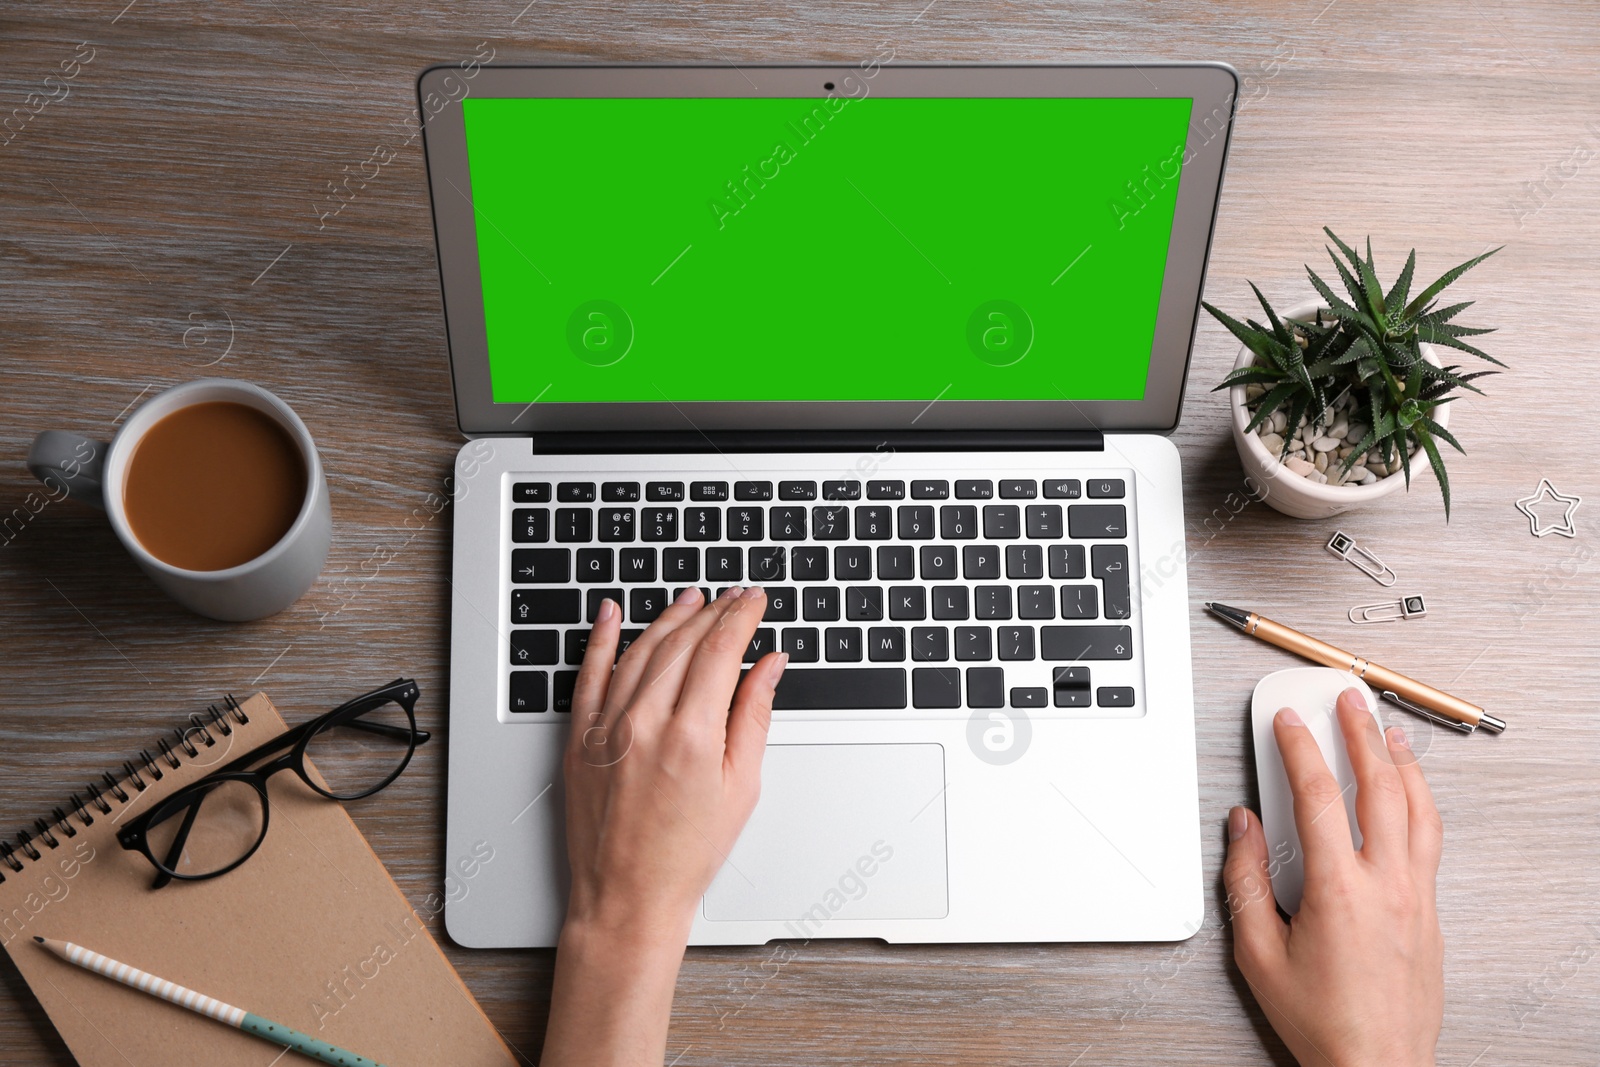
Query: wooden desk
[[178, 188]]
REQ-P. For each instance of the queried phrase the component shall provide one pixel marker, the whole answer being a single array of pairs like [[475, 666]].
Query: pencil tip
[[39, 939]]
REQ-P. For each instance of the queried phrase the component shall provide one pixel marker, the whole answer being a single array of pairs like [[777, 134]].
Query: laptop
[[901, 344]]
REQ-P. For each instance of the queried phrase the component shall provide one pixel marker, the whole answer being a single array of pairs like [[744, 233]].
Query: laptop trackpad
[[841, 832]]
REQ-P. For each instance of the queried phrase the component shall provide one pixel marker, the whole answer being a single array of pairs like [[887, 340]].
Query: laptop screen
[[787, 249]]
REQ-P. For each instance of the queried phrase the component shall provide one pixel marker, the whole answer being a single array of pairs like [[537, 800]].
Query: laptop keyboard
[[927, 596]]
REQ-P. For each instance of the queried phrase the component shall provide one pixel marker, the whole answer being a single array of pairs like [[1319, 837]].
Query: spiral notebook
[[311, 932]]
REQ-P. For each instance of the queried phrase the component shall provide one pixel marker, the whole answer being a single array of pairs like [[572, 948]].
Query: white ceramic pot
[[1287, 491]]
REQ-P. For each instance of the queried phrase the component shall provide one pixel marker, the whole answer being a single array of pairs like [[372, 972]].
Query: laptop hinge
[[579, 443]]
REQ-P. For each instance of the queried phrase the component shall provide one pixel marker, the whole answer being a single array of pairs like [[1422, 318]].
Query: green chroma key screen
[[822, 249]]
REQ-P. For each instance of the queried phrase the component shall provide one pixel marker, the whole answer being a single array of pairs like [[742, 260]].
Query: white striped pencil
[[237, 1018]]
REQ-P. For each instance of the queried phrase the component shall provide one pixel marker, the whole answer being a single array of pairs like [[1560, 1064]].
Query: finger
[[594, 677], [1260, 938], [661, 682], [1380, 798], [1319, 812], [750, 719], [625, 679], [714, 670], [1425, 830]]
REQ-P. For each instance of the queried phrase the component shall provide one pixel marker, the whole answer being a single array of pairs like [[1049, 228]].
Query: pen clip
[[1431, 716]]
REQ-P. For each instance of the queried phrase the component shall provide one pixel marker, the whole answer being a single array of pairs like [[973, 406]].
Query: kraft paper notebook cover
[[310, 932]]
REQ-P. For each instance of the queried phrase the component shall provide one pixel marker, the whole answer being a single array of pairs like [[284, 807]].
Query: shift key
[[1109, 563], [1076, 644]]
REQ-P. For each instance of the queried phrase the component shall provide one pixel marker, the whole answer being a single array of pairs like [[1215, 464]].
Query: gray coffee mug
[[96, 471]]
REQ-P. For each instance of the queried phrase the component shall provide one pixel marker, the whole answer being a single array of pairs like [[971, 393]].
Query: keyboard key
[[936, 687], [974, 643], [646, 605], [916, 523], [1068, 561], [801, 643], [1044, 521], [797, 490], [895, 563], [950, 602], [1028, 697], [593, 598], [541, 566], [616, 524], [1015, 642], [986, 687], [724, 565], [705, 593], [574, 525], [980, 561], [746, 524], [1078, 643], [887, 490], [752, 490], [577, 645], [530, 493], [886, 644], [1114, 696], [659, 524], [938, 561], [680, 565], [908, 602], [808, 564], [1106, 489], [958, 522], [1062, 489], [842, 491], [936, 490], [852, 563], [702, 524], [930, 644], [981, 489], [991, 602], [783, 605], [1024, 561], [619, 492], [841, 688], [637, 565], [531, 525], [1023, 489], [764, 640], [575, 492], [820, 603], [830, 523], [766, 564], [1086, 521], [1036, 602], [534, 646], [663, 492], [1003, 522], [1111, 566], [566, 682], [788, 524], [863, 603], [1071, 685], [625, 640], [528, 690], [545, 605], [873, 523], [1080, 602], [708, 490], [842, 644]]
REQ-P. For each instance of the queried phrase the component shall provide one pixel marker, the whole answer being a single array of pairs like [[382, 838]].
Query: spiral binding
[[136, 775]]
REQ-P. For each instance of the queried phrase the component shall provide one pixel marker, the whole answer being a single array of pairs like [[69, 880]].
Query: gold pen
[[1425, 700]]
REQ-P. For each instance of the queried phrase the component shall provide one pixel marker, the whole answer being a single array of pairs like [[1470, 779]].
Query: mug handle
[[77, 462]]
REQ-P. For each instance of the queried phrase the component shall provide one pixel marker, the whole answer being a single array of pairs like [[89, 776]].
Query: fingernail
[[1290, 717], [688, 594], [1398, 738], [1238, 823], [731, 592], [783, 661], [607, 609], [752, 592]]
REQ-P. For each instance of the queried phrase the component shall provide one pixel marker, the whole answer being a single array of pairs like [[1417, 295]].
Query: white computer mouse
[[1313, 692]]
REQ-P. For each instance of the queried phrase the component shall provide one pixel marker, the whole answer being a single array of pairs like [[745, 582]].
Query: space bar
[[840, 689]]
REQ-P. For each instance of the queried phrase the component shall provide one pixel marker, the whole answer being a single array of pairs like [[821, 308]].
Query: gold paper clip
[[1407, 607], [1344, 546]]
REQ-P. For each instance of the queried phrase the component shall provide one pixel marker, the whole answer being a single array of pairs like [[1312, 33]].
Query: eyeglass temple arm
[[178, 841], [399, 733]]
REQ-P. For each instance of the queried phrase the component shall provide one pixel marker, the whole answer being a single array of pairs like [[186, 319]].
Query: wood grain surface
[[168, 214]]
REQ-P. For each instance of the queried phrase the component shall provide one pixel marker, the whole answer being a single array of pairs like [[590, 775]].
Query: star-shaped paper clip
[[1548, 492]]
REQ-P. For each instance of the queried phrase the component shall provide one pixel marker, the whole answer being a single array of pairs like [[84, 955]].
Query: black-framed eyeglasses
[[211, 826]]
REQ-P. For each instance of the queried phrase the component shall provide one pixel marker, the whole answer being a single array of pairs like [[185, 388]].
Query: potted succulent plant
[[1334, 400]]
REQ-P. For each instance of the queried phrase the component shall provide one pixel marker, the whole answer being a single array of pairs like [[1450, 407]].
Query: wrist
[[597, 933]]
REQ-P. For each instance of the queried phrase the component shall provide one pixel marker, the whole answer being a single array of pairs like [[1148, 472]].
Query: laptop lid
[[863, 247]]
